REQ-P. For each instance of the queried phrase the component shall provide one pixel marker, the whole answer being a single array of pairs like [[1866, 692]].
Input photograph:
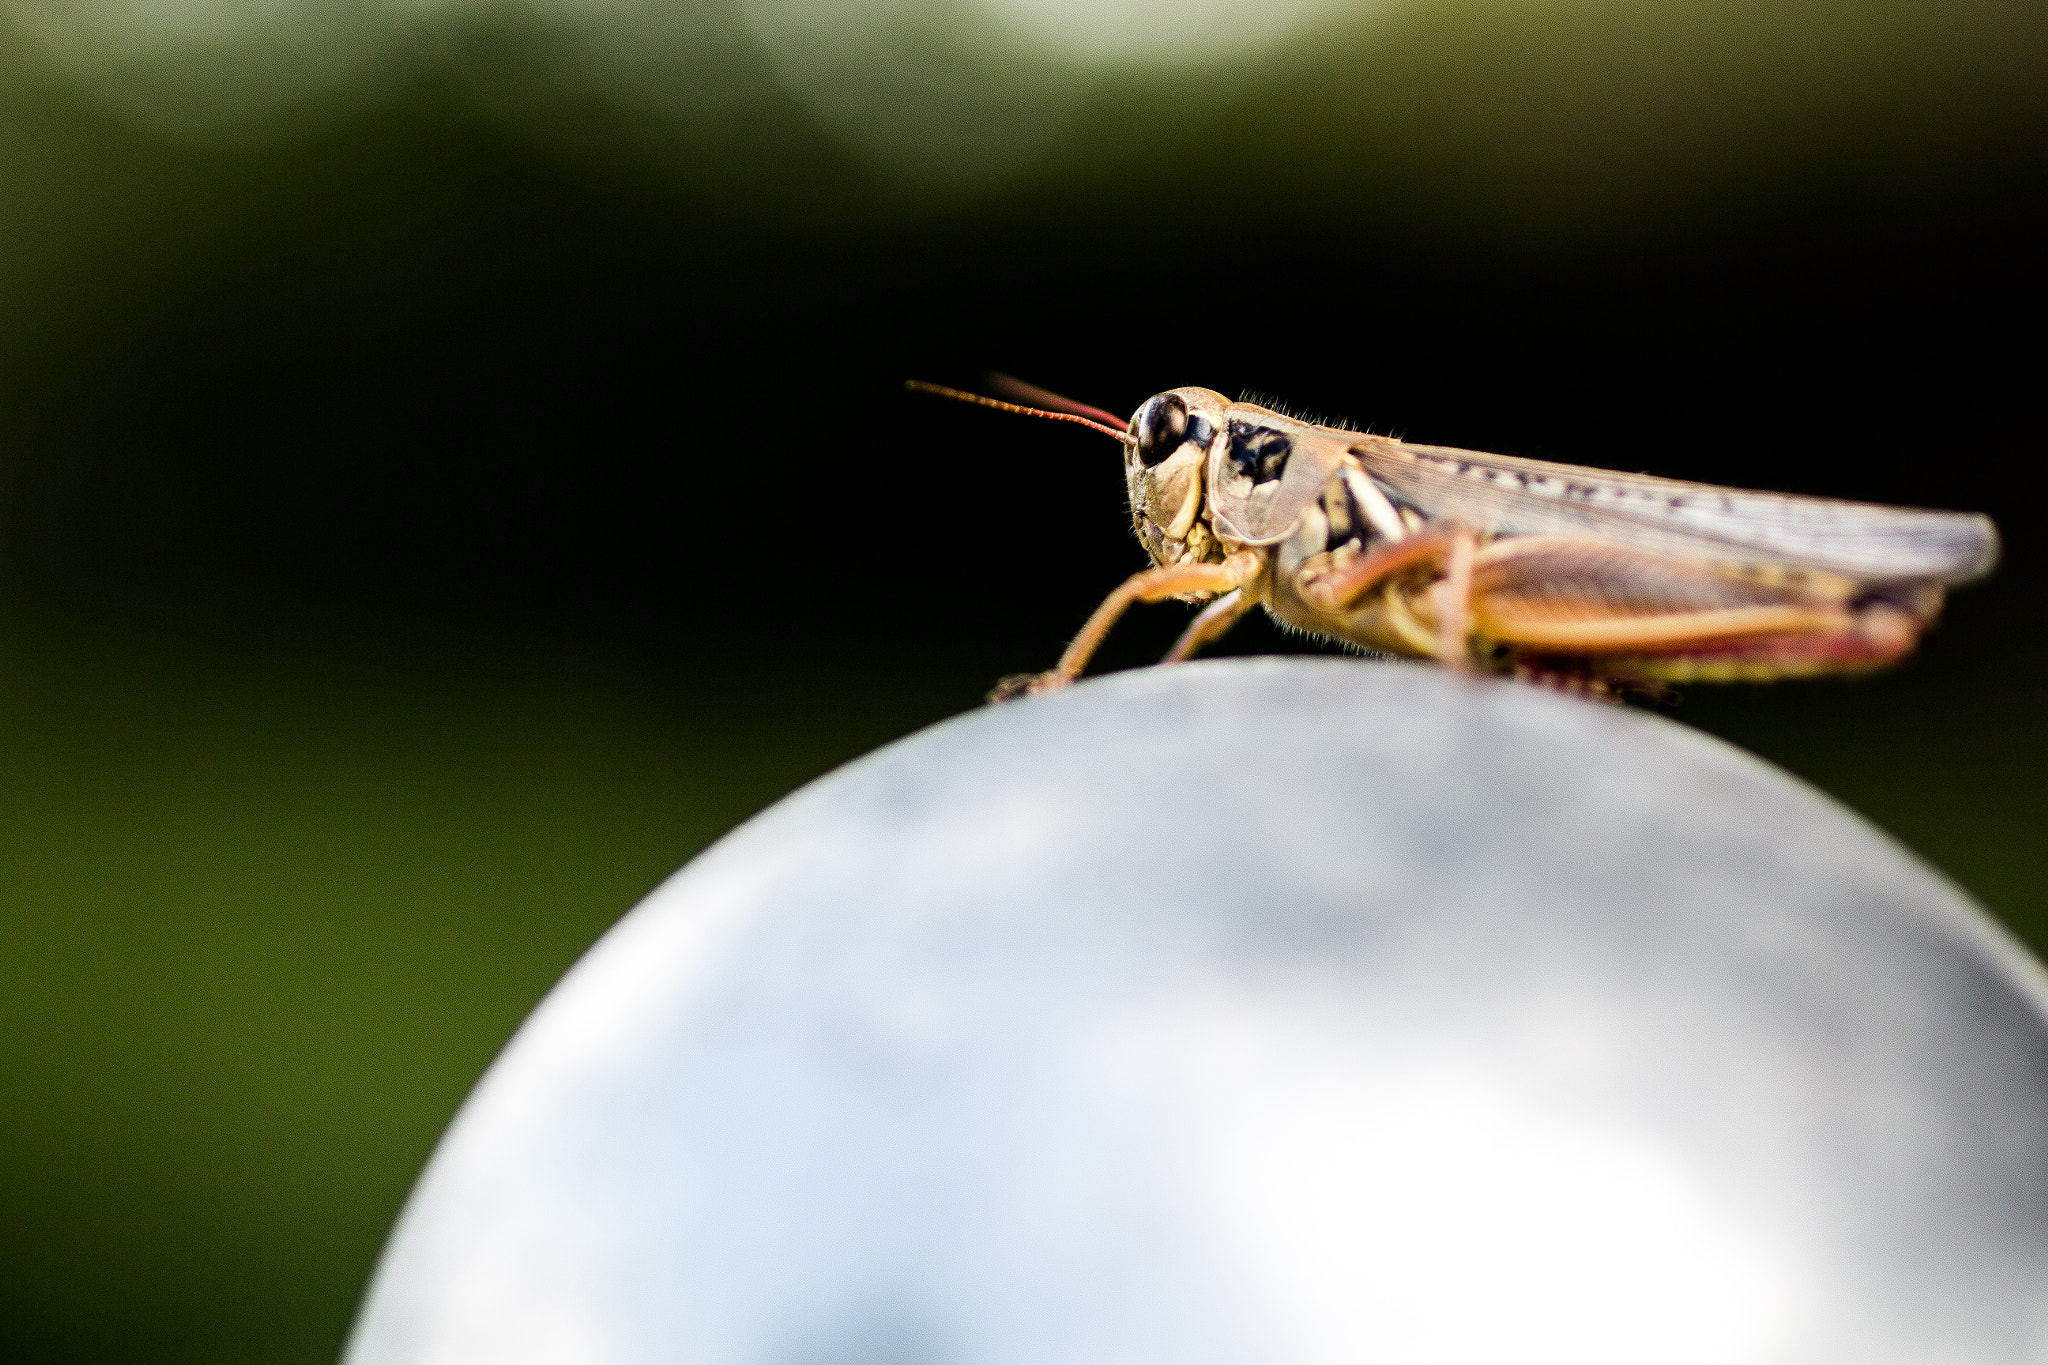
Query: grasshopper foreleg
[[1152, 585]]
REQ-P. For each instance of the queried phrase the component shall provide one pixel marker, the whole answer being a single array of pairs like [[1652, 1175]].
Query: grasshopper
[[1582, 578]]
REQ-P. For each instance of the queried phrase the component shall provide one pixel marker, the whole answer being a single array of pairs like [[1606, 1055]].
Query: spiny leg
[[1634, 614], [1341, 588], [1451, 551], [1216, 619], [1579, 596], [1454, 604], [1152, 585]]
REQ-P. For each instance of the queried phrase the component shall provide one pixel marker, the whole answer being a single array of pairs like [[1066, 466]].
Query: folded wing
[[1508, 495]]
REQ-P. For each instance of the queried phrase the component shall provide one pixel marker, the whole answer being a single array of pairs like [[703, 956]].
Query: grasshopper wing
[[1507, 495], [1266, 470]]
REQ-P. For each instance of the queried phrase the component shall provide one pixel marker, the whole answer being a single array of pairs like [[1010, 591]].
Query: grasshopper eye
[[1161, 425]]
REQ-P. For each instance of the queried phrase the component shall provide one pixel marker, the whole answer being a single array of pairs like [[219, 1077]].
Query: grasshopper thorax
[[1171, 436]]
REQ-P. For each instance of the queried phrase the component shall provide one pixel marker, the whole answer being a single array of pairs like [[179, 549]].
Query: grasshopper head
[[1170, 439]]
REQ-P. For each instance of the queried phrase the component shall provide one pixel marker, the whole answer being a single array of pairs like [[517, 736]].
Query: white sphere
[[1263, 1013]]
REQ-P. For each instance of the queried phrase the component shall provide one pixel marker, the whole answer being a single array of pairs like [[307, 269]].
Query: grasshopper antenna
[[1019, 391], [920, 386]]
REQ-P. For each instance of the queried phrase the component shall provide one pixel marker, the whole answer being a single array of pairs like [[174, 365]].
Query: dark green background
[[422, 529]]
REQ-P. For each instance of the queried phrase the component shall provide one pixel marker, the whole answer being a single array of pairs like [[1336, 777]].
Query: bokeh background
[[453, 466]]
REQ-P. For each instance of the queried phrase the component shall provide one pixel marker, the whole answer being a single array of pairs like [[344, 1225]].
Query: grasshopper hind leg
[[1628, 614]]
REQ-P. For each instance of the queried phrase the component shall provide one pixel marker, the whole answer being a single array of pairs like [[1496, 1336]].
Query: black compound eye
[[1161, 426]]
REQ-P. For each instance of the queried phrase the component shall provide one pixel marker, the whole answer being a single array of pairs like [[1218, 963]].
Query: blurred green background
[[453, 466]]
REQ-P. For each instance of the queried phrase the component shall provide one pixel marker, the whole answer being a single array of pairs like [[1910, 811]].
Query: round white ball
[[1270, 1012]]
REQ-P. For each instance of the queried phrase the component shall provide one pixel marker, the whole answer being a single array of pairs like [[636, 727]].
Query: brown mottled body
[[1499, 564]]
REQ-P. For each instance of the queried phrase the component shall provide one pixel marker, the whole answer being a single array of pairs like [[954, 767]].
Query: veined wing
[[1506, 494]]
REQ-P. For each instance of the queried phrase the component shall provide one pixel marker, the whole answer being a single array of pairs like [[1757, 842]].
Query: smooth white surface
[[1263, 1011]]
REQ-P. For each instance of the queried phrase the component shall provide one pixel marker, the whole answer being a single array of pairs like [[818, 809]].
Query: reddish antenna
[[920, 386], [1046, 398]]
